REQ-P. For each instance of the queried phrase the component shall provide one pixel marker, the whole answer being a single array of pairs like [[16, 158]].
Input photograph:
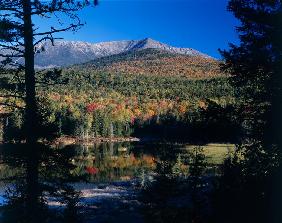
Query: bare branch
[[53, 30], [51, 38], [11, 55], [14, 48], [10, 9]]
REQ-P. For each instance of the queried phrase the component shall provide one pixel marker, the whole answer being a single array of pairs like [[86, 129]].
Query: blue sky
[[204, 25]]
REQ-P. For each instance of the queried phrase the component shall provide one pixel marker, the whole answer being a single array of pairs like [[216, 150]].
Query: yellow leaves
[[180, 65], [11, 101], [117, 107], [203, 105], [68, 99], [182, 109], [123, 115], [170, 105], [76, 114], [55, 96], [89, 121], [51, 118], [163, 104], [149, 114], [137, 112], [2, 109]]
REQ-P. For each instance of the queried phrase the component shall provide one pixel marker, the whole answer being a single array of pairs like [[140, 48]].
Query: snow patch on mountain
[[66, 53]]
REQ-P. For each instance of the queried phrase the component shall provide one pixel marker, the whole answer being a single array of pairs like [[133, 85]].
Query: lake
[[107, 177]]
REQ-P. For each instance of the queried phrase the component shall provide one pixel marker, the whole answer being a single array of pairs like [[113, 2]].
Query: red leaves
[[91, 170], [92, 107], [119, 107]]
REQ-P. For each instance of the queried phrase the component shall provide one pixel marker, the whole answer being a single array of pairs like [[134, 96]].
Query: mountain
[[66, 53], [154, 62]]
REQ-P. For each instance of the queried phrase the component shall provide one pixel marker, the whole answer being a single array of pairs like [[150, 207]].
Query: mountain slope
[[154, 62], [66, 53]]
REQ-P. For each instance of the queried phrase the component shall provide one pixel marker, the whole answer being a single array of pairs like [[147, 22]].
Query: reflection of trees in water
[[42, 181], [111, 162], [178, 192], [174, 194]]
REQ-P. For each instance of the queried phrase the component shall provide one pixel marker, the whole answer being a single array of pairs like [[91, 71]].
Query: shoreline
[[72, 140], [75, 140]]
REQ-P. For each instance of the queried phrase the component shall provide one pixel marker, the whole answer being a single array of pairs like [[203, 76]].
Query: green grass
[[215, 153]]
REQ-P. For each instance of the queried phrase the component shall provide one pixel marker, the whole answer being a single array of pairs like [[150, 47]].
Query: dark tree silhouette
[[20, 38], [255, 66]]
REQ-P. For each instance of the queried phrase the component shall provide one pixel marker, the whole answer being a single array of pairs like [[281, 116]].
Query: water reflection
[[35, 175], [179, 191], [106, 182], [108, 162], [38, 183]]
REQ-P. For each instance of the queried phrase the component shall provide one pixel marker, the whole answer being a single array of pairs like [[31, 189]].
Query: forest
[[92, 104], [208, 131]]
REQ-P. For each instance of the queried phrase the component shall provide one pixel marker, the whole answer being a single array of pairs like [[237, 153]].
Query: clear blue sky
[[204, 25]]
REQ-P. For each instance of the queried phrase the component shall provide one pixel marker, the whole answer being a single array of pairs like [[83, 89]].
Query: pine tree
[[253, 65], [255, 68], [20, 38]]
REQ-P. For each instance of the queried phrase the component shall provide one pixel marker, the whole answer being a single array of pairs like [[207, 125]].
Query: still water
[[102, 178]]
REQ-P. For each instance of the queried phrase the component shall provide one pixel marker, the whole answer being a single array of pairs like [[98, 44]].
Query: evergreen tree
[[254, 63], [254, 69], [255, 66], [20, 38]]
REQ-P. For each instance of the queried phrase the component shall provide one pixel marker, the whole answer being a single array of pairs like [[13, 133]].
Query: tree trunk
[[30, 99], [31, 121]]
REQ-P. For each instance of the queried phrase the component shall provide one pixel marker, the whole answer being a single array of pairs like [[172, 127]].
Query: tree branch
[[51, 38], [11, 96], [11, 105], [53, 30], [14, 48], [11, 55]]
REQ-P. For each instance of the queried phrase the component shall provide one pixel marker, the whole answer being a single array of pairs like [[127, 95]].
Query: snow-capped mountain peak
[[65, 53]]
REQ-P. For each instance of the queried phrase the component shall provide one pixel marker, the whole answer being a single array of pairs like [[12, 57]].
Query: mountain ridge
[[153, 62], [65, 53]]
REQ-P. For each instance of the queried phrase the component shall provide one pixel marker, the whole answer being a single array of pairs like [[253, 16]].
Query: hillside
[[155, 62], [66, 53], [132, 92], [146, 56]]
